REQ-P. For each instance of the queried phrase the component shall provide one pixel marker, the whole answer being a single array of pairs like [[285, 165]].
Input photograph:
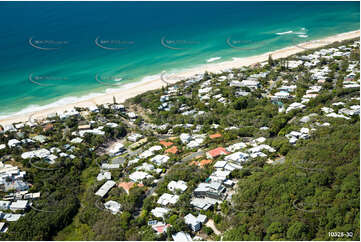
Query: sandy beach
[[127, 92]]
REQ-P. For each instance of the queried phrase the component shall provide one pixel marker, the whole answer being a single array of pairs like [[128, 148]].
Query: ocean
[[54, 53]]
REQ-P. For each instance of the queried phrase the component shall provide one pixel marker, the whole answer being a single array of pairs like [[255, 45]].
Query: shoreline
[[123, 93]]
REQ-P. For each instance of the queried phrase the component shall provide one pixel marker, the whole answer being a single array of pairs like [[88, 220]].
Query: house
[[159, 212], [192, 222], [51, 158], [41, 153], [181, 237], [134, 137], [241, 94], [32, 195], [195, 143], [219, 176], [236, 146], [48, 127], [146, 154], [17, 185], [105, 188], [19, 205], [261, 147], [167, 198], [160, 227], [91, 131], [235, 83], [281, 95], [84, 127], [145, 167], [214, 136], [185, 138], [250, 84], [107, 166], [40, 138], [201, 163], [294, 105], [132, 115], [10, 217], [220, 164], [138, 144], [165, 143], [238, 157], [195, 223], [213, 190], [112, 125], [177, 185], [13, 143], [3, 227], [69, 113], [216, 152], [5, 205], [9, 128], [139, 176], [76, 140], [128, 185], [118, 107], [160, 159], [155, 148], [104, 175], [113, 206], [203, 203], [173, 150], [117, 149]]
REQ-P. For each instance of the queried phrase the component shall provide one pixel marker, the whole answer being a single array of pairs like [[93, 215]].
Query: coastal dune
[[138, 88]]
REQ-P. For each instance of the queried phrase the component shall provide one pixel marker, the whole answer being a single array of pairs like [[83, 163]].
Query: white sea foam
[[302, 35], [213, 59], [61, 102], [302, 31], [72, 99], [132, 84], [283, 33]]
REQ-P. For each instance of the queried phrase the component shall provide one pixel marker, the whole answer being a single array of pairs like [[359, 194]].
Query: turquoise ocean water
[[54, 53]]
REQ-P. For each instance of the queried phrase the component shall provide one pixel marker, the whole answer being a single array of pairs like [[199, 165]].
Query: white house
[[167, 198], [160, 159], [159, 212], [139, 175], [5, 205], [104, 175], [105, 188], [13, 143], [134, 137], [19, 205], [177, 185], [181, 237], [192, 222], [113, 206]]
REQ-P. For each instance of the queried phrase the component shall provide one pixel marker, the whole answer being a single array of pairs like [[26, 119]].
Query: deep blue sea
[[57, 52]]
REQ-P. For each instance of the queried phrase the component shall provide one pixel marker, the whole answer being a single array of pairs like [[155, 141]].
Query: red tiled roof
[[48, 127], [165, 143], [217, 152], [213, 136], [161, 228], [128, 185], [173, 150], [201, 163]]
